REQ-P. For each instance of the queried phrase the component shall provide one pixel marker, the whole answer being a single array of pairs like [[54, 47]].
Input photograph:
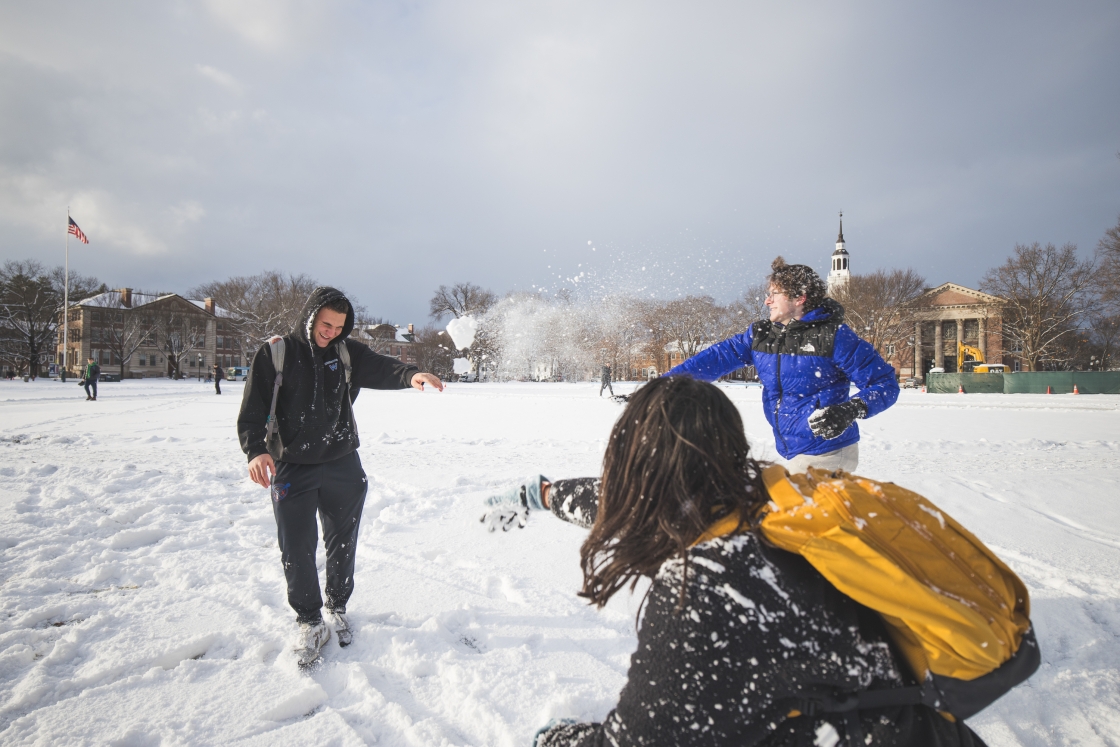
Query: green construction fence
[[1035, 382]]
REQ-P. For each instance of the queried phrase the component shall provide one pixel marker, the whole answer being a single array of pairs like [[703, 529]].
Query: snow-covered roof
[[113, 300], [400, 334]]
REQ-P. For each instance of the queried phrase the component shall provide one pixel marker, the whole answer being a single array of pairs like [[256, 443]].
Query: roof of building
[[952, 294], [113, 300], [382, 332]]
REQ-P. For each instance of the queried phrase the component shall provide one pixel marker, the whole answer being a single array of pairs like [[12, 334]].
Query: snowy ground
[[142, 601]]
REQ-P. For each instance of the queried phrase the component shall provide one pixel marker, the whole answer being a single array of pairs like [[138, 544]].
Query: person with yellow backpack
[[820, 608]]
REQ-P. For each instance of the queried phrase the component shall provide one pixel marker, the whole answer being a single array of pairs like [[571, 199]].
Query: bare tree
[[693, 323], [654, 316], [434, 351], [260, 305], [1108, 250], [880, 306], [1046, 291], [747, 309], [126, 333], [461, 299], [31, 301], [1104, 330], [468, 299], [178, 331]]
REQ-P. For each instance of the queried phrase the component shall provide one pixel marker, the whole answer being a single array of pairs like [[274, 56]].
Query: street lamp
[[200, 366]]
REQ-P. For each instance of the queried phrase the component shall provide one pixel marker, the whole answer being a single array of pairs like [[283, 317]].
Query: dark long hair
[[677, 461]]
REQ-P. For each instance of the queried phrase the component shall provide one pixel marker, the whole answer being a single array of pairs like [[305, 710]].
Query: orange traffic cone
[[960, 388], [923, 389], [1048, 390], [1075, 389]]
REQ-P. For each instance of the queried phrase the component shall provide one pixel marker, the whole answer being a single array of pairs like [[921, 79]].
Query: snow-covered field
[[142, 600]]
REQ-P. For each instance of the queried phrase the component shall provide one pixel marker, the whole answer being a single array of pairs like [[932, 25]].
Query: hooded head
[[324, 297]]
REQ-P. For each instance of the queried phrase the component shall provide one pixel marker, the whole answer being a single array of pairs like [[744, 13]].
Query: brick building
[[97, 324], [390, 340]]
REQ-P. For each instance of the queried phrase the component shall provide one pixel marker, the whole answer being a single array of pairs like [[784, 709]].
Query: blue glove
[[513, 506]]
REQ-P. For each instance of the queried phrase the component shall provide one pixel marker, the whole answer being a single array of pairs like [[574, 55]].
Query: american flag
[[75, 231]]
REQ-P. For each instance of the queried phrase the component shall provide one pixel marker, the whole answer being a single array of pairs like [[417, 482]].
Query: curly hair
[[798, 280]]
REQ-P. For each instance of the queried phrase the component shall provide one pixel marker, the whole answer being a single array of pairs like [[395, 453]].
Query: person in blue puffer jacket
[[806, 359]]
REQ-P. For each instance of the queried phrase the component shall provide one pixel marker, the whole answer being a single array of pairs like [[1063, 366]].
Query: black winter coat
[[313, 412], [760, 631]]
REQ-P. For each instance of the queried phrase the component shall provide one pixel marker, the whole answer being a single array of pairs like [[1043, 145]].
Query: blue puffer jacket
[[804, 366]]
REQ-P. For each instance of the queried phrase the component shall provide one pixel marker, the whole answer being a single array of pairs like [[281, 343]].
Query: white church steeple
[[839, 274]]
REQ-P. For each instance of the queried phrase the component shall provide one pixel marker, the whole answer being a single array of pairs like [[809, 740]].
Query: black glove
[[832, 421]]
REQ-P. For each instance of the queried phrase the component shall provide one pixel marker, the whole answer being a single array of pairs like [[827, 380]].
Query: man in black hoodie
[[319, 469]]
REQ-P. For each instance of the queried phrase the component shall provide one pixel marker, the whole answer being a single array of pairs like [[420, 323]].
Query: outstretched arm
[[718, 360], [575, 501]]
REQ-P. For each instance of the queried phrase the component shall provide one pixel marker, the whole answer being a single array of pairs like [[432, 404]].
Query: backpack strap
[[277, 346], [344, 356]]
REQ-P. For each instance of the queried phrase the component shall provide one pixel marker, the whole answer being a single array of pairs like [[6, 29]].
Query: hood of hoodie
[[319, 298]]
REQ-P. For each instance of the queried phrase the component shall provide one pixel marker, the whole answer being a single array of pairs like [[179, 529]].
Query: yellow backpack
[[957, 614]]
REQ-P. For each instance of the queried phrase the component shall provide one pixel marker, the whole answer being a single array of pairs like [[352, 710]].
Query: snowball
[[461, 365], [462, 331]]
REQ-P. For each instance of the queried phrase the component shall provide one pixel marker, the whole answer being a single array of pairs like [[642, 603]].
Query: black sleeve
[[576, 501], [256, 401], [370, 370]]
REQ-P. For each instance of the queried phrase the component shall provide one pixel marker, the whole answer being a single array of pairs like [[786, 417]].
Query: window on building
[[890, 350], [105, 359], [95, 316]]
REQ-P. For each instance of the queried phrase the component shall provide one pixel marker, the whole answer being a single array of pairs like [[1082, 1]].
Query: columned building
[[839, 275], [950, 313]]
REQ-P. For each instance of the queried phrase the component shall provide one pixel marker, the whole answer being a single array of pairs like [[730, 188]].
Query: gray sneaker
[[311, 639], [341, 625]]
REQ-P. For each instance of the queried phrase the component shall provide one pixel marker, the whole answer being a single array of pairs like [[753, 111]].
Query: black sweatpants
[[337, 492]]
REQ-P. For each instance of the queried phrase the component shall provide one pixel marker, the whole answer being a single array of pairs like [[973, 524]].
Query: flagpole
[[66, 302]]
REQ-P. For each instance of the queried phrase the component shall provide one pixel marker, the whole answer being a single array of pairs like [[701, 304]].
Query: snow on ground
[[142, 600]]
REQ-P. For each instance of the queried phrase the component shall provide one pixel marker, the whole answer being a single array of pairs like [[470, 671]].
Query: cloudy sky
[[659, 148]]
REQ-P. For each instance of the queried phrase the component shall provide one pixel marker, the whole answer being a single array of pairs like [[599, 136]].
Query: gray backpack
[[277, 346]]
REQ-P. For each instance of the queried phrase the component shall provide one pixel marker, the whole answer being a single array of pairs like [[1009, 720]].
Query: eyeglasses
[[771, 294]]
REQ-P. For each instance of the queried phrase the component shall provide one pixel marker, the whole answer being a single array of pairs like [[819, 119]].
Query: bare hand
[[260, 469], [420, 379]]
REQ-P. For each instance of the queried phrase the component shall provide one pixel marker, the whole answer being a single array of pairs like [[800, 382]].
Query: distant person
[[605, 381], [318, 469], [806, 359], [219, 374], [89, 379]]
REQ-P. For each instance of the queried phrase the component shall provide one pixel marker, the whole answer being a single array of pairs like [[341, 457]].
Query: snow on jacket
[[805, 365], [760, 631], [314, 415]]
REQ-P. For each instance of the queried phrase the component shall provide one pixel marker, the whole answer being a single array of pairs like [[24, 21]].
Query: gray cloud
[[392, 147]]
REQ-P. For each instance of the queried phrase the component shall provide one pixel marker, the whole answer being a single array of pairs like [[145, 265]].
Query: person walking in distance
[[605, 381], [219, 374], [92, 374], [806, 358], [314, 465]]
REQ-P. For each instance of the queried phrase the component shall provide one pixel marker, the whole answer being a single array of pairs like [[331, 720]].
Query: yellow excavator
[[974, 363]]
